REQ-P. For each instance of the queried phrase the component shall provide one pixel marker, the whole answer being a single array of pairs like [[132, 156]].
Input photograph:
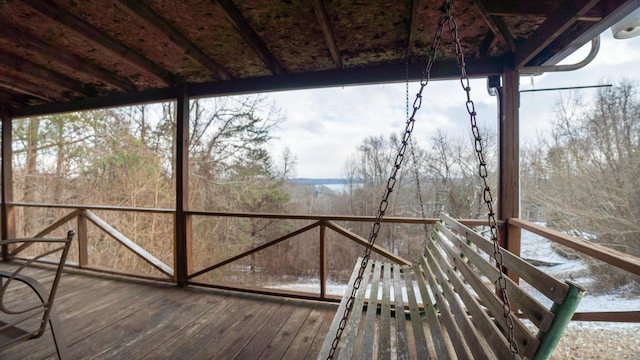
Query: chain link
[[448, 20], [488, 198]]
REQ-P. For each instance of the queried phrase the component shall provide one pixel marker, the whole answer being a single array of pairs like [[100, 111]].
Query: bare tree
[[590, 174]]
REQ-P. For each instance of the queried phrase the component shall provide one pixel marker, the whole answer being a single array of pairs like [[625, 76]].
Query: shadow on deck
[[111, 318]]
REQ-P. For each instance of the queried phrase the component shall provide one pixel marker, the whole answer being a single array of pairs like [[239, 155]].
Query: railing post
[[509, 156], [323, 259], [182, 238], [83, 253], [8, 221]]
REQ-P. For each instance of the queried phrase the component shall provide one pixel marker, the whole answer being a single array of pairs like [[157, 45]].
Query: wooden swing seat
[[446, 305]]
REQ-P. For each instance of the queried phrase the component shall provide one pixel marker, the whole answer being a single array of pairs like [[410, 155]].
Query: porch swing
[[465, 305]]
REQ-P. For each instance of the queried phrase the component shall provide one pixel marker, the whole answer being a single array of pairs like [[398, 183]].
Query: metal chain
[[412, 150], [488, 199], [426, 75], [447, 19]]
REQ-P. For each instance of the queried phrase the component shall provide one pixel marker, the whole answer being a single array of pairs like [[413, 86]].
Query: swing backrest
[[458, 259]]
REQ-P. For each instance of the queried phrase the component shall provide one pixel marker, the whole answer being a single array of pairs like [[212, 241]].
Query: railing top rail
[[611, 256], [314, 217], [319, 217], [93, 207]]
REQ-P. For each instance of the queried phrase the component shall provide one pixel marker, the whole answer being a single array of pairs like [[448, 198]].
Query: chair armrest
[[26, 242], [69, 237]]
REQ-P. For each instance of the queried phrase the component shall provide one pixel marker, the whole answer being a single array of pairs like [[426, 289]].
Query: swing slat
[[437, 337], [352, 328], [402, 342], [366, 351], [416, 318], [384, 349]]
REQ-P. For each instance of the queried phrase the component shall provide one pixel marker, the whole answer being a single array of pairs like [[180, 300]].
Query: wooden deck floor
[[106, 318]]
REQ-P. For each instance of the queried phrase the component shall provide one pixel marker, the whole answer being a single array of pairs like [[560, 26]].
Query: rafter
[[34, 70], [24, 85], [94, 35], [497, 26], [69, 60], [52, 92], [141, 10], [323, 18], [411, 39], [235, 17], [24, 89], [530, 8], [563, 18]]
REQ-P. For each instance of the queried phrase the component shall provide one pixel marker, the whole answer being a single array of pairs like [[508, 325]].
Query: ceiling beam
[[96, 36], [235, 17], [412, 31], [563, 18], [141, 10], [610, 11], [48, 76], [24, 88], [67, 59], [375, 74], [23, 84], [323, 18], [497, 26]]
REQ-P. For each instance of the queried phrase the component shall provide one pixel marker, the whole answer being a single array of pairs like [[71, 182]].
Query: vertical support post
[[323, 259], [83, 252], [182, 221], [509, 155], [8, 221]]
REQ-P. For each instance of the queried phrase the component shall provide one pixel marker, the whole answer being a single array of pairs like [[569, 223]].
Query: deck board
[[110, 318]]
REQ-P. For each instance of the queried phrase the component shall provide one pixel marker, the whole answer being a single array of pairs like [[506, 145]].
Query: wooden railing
[[85, 214], [610, 256], [322, 222]]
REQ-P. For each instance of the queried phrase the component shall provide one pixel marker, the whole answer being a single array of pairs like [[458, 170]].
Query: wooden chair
[[25, 304]]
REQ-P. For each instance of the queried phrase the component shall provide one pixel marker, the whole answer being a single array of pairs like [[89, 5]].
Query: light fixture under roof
[[628, 27]]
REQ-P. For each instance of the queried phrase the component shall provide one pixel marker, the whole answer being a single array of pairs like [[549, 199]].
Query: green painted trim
[[564, 312]]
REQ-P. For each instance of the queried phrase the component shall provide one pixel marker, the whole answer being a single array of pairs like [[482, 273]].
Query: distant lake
[[334, 184]]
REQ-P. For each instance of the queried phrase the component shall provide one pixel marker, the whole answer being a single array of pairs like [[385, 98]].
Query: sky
[[324, 127]]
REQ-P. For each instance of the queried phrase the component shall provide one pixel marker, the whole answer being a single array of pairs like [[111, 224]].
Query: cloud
[[323, 127]]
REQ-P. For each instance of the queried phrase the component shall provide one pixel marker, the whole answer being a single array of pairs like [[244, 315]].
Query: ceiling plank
[[141, 10], [235, 17], [36, 71], [96, 36], [323, 18], [510, 8], [497, 26], [67, 59], [564, 17]]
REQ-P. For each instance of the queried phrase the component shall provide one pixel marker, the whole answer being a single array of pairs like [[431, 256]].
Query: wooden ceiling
[[62, 55]]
